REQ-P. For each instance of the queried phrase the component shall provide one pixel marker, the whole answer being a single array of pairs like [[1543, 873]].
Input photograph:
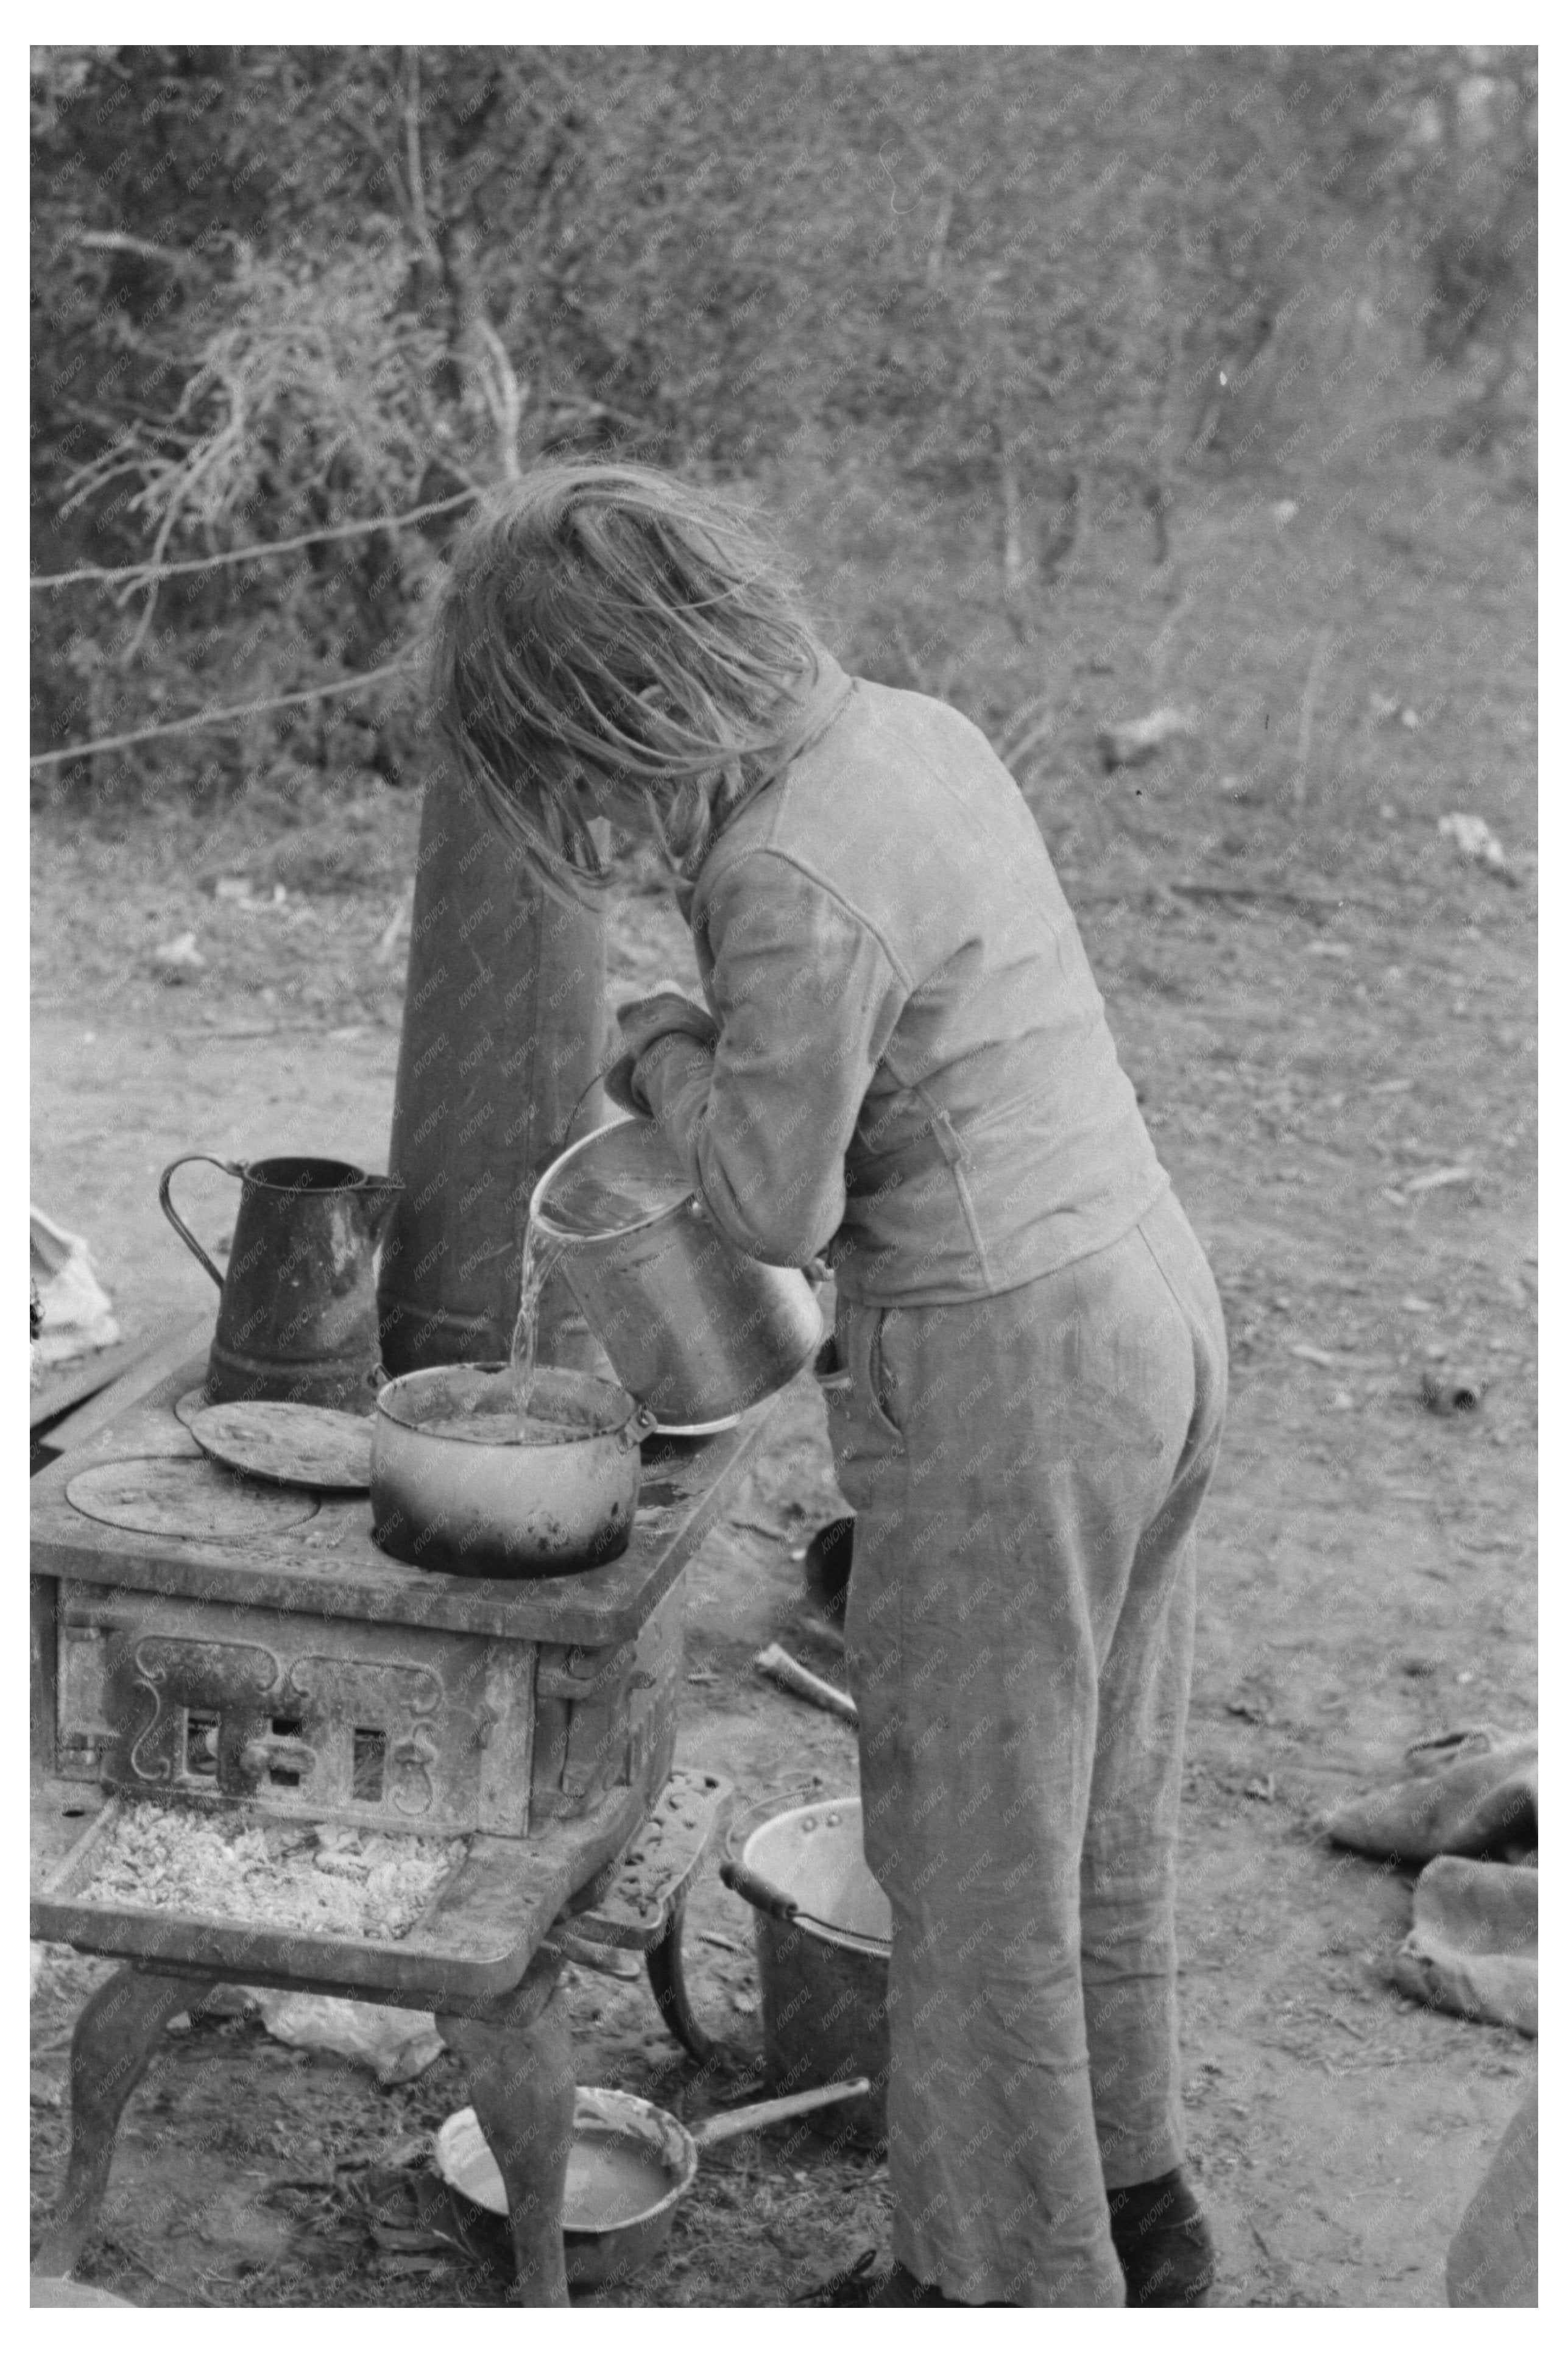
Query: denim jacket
[[913, 1074]]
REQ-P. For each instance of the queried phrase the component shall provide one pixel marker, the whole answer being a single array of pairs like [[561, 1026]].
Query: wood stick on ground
[[777, 1663], [1308, 701], [1031, 738], [1021, 722], [1198, 888], [396, 931]]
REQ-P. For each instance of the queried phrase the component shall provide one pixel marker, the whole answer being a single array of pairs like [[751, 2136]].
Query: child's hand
[[619, 1088], [665, 1009], [620, 1081]]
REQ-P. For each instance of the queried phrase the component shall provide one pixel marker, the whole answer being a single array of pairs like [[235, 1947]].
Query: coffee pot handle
[[230, 1169]]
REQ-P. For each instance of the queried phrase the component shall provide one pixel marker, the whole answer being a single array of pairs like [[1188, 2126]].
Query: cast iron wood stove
[[244, 1651]]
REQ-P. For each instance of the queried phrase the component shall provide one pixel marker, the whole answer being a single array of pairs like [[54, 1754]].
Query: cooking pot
[[694, 1328], [459, 1483]]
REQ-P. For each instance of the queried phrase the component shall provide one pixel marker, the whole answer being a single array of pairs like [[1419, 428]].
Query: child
[[904, 1063]]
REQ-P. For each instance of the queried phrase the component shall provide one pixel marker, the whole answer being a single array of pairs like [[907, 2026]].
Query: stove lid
[[186, 1495]]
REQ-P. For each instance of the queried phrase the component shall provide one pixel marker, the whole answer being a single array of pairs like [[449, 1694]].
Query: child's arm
[[806, 999]]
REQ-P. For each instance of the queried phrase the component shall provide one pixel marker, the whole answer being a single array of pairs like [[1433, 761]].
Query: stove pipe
[[502, 1029]]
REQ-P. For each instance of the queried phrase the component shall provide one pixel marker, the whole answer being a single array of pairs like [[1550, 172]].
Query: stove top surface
[[142, 1505]]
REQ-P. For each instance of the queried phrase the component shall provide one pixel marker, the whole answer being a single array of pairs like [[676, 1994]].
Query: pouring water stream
[[538, 1260]]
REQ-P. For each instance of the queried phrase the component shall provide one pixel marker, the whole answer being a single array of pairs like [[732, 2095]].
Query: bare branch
[[503, 397], [939, 238], [1309, 702], [1031, 736], [114, 240], [418, 211]]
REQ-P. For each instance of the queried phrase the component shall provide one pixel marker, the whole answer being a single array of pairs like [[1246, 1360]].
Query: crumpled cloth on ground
[[1493, 2257], [396, 2044], [76, 1315], [1468, 1812], [1464, 1793], [1472, 1946]]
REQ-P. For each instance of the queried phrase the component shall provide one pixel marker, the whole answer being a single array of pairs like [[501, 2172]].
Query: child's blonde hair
[[613, 621]]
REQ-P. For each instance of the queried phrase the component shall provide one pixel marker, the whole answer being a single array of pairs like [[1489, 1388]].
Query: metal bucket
[[695, 1329], [823, 1936]]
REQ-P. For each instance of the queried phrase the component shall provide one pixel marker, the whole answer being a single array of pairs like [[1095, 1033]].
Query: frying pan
[[630, 2167]]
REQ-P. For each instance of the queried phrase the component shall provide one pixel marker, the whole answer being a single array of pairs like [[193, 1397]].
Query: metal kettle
[[297, 1314]]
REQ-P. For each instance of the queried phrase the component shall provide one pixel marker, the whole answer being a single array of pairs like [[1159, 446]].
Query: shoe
[[864, 2285], [853, 2285], [1161, 2242]]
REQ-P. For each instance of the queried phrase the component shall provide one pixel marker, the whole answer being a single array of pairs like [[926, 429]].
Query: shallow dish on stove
[[314, 1446], [459, 1482]]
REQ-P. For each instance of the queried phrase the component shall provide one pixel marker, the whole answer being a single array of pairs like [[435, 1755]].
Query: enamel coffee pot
[[297, 1314]]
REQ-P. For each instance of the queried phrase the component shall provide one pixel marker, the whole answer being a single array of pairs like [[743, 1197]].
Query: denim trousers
[[1025, 1470]]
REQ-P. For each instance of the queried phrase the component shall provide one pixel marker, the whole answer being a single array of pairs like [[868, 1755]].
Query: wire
[[253, 555], [217, 718]]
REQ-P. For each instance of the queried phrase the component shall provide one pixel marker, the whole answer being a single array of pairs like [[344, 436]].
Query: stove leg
[[116, 2035], [666, 1977], [521, 2083]]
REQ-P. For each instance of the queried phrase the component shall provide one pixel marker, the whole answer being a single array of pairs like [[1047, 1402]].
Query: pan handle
[[760, 1894], [230, 1169], [774, 2112]]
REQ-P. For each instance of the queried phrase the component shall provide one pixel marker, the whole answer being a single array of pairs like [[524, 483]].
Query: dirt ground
[[1367, 1570]]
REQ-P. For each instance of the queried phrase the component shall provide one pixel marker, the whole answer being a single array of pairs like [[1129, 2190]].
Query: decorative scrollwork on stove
[[160, 1768], [401, 1700], [186, 1669]]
